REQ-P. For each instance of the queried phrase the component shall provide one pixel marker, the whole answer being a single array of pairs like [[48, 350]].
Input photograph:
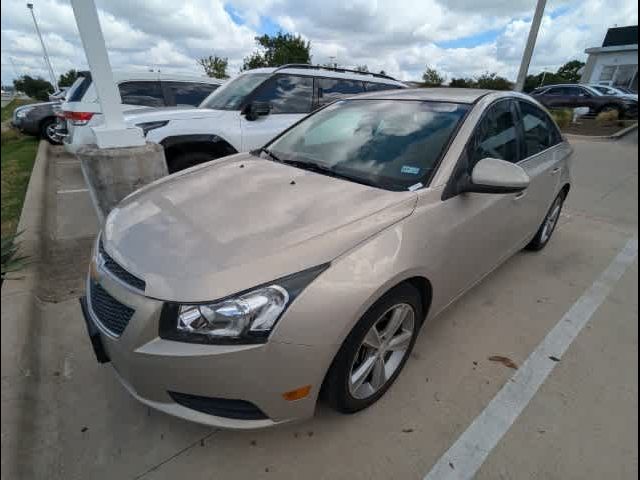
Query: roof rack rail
[[333, 69]]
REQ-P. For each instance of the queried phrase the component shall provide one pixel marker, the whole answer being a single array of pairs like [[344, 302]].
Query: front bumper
[[153, 369]]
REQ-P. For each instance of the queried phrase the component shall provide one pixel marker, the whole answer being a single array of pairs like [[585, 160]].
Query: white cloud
[[398, 36]]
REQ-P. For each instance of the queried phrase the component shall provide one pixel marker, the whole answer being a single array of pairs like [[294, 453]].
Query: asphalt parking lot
[[79, 423]]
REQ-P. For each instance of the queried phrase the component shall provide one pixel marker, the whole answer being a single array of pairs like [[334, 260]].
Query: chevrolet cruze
[[239, 292]]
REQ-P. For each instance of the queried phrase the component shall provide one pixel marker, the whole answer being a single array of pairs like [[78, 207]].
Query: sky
[[460, 38]]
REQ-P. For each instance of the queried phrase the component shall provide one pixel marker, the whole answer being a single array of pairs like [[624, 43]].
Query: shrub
[[562, 117], [608, 118]]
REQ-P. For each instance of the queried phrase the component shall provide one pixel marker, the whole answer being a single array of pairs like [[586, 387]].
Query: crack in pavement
[[176, 455]]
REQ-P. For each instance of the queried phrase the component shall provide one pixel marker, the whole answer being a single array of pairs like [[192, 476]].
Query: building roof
[[620, 36]]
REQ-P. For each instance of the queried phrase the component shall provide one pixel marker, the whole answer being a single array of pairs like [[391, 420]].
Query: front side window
[[496, 135], [539, 132], [192, 94], [330, 89], [147, 94], [287, 94], [385, 143], [232, 94]]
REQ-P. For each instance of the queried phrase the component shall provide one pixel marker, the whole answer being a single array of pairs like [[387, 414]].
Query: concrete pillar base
[[113, 173]]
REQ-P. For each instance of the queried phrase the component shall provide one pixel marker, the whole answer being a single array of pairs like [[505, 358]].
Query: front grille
[[112, 314], [112, 266], [219, 407]]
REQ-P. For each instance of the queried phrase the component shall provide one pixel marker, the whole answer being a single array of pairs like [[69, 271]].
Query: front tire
[[548, 227], [375, 352], [48, 131]]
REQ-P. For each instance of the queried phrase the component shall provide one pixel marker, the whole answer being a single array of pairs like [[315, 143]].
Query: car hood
[[229, 225], [148, 114]]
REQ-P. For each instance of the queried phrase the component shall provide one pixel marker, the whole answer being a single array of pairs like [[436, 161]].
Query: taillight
[[78, 118]]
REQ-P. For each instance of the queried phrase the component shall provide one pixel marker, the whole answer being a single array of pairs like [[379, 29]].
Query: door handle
[[556, 170]]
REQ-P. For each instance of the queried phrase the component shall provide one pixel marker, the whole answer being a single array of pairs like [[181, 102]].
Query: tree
[[67, 79], [492, 81], [569, 71], [278, 50], [432, 78], [37, 88], [382, 72], [462, 83], [214, 66], [362, 69]]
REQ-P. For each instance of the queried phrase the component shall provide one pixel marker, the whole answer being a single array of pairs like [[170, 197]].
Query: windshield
[[231, 95], [389, 144]]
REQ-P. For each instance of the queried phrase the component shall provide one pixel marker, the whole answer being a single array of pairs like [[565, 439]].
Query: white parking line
[[468, 453], [76, 190]]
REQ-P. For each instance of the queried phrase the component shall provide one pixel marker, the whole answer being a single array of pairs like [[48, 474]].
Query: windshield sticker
[[410, 170], [415, 187]]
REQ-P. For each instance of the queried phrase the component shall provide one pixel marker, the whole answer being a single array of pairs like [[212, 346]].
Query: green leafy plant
[[12, 261]]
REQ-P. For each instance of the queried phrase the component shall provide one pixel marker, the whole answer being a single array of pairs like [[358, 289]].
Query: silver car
[[239, 292]]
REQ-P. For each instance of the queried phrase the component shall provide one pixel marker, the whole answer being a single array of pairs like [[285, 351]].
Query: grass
[[18, 153], [8, 110]]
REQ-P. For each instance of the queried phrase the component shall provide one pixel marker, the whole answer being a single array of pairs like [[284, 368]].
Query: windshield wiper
[[270, 154]]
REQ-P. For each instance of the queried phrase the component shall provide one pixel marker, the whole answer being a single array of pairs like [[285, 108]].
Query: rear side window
[[146, 94], [496, 135], [287, 94], [330, 89], [79, 88], [184, 93], [376, 87], [539, 131]]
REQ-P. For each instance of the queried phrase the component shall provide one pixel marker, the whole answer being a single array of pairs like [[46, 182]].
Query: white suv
[[81, 110], [248, 111]]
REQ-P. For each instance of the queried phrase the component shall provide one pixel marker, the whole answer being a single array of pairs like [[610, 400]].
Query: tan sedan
[[238, 292]]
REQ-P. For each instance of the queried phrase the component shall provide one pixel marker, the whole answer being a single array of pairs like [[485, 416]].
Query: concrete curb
[[20, 317], [616, 136]]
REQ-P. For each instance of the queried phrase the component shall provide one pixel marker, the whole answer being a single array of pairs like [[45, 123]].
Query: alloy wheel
[[382, 351]]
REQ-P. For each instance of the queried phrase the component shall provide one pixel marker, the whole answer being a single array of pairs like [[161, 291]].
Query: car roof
[[123, 75], [442, 94], [319, 71]]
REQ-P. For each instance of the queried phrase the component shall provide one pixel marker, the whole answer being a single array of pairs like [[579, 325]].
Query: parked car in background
[[614, 91], [582, 96], [234, 294], [81, 109], [250, 110], [39, 119]]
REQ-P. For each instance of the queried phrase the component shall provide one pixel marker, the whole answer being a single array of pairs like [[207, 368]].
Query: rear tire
[[612, 108], [549, 224], [339, 387], [186, 160], [48, 131]]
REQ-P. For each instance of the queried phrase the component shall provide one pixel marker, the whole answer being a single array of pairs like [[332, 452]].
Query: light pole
[[54, 82], [531, 43]]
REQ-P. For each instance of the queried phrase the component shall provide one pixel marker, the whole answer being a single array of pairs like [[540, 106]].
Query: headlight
[[148, 126], [23, 112], [248, 317]]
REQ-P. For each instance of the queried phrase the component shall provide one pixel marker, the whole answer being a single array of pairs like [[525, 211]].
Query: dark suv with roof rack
[[583, 96]]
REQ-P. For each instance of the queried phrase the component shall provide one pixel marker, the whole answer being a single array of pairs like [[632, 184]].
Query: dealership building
[[615, 63]]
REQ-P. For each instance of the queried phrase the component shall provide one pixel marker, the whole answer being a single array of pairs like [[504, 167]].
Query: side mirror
[[498, 177], [255, 110]]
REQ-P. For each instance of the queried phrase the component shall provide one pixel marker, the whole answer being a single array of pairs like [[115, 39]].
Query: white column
[[531, 44], [113, 133]]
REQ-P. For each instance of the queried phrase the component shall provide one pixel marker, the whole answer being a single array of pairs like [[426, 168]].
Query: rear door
[[290, 98], [542, 160]]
